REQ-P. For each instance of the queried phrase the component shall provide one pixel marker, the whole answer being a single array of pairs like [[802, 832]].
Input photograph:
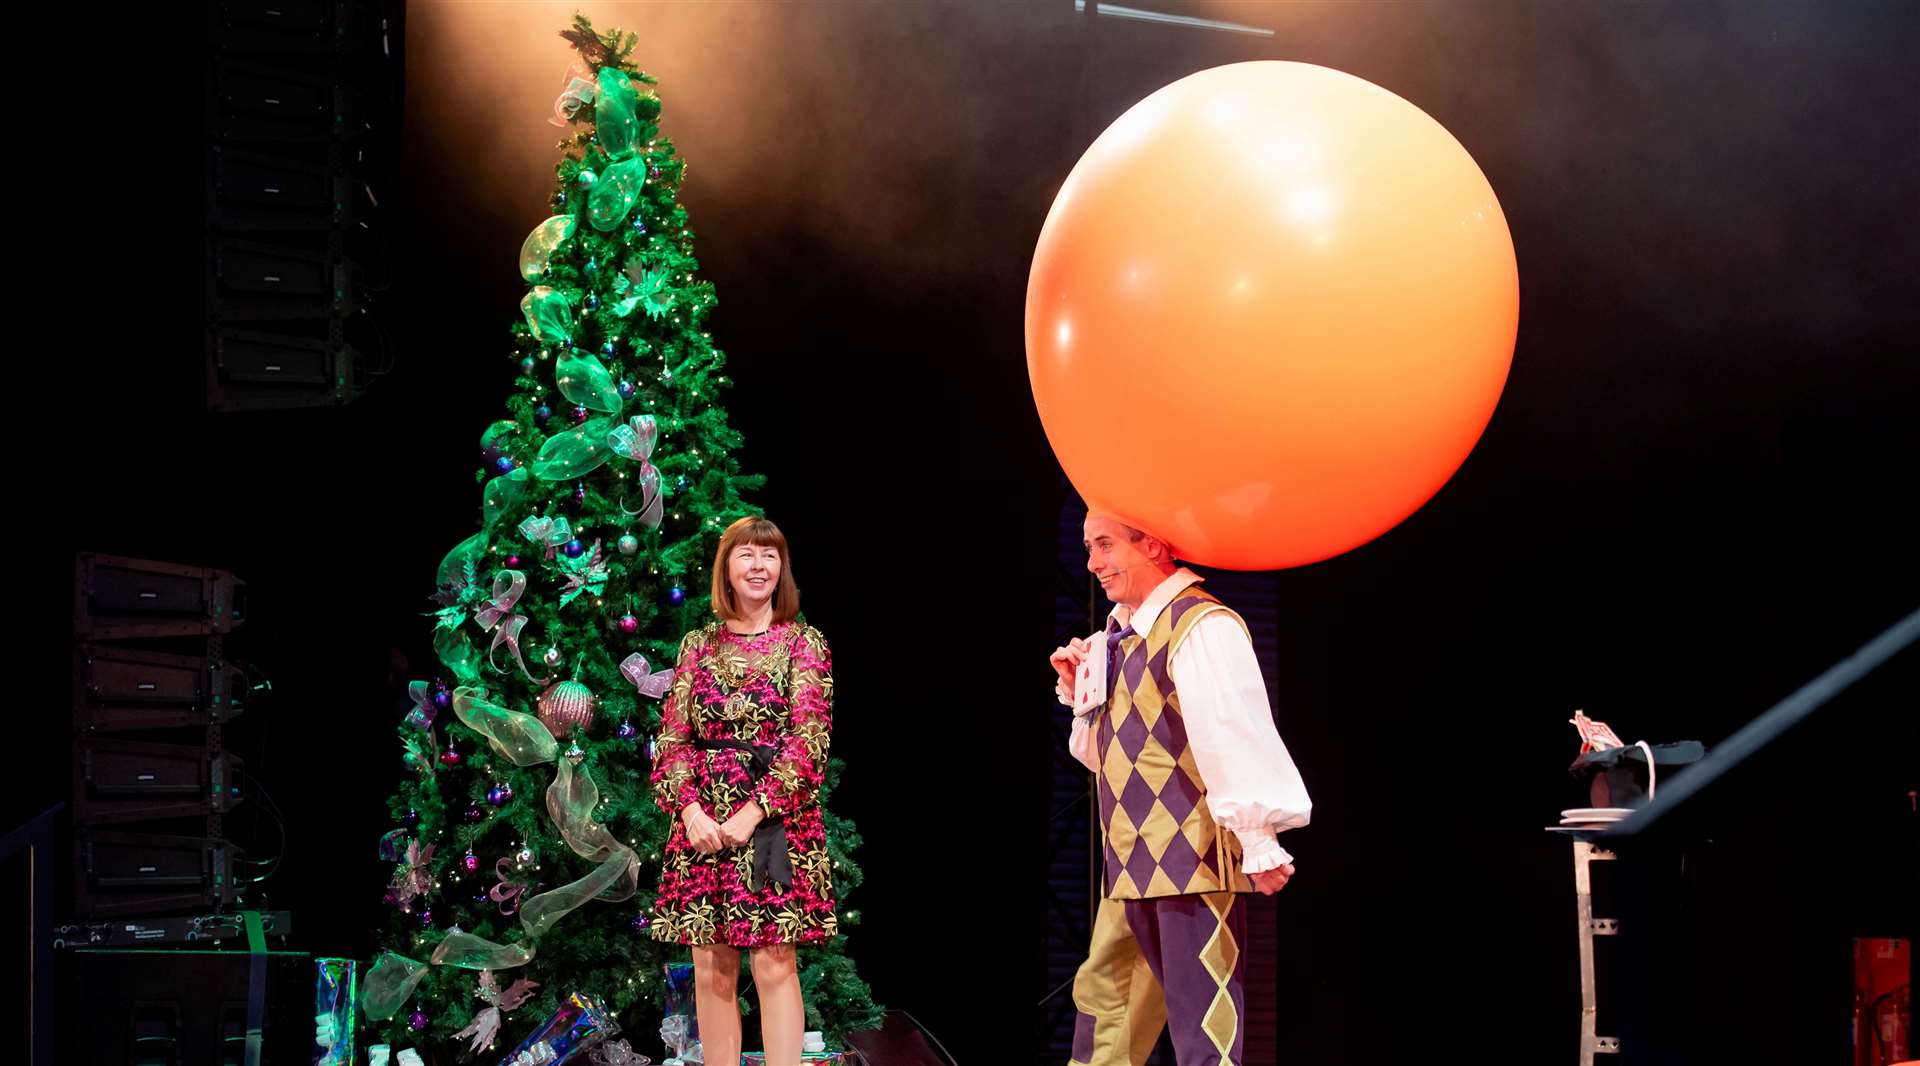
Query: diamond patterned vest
[[1160, 838]]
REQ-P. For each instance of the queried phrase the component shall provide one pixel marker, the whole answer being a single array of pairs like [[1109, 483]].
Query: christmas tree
[[527, 843]]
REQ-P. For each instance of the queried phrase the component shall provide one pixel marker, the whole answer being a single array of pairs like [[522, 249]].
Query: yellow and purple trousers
[[1168, 961]]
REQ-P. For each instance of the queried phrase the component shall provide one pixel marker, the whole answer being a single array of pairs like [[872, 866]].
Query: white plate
[[1578, 828], [1589, 813], [1590, 821]]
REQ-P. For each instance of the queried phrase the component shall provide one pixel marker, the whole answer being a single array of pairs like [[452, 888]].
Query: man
[[1171, 714]]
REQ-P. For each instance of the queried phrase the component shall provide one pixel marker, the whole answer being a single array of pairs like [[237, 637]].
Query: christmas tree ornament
[[629, 545], [565, 707]]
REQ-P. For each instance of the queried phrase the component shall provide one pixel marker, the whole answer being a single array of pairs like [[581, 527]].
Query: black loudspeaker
[[184, 1008], [900, 1041], [116, 598]]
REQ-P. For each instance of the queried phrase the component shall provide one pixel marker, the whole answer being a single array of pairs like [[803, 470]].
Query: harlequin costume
[[1194, 783], [748, 718]]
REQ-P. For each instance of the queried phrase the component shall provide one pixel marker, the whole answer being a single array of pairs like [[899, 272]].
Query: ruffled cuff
[[1261, 851]]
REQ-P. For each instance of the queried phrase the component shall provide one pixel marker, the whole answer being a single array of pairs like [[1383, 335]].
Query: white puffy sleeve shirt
[[1253, 787]]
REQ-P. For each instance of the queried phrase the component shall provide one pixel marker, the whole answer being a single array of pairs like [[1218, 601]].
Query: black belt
[[770, 860]]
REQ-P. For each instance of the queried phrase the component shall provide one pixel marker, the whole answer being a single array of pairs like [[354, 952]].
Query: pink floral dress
[[749, 718]]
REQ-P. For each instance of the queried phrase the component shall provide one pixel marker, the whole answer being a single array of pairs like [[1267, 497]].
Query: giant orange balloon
[[1270, 313]]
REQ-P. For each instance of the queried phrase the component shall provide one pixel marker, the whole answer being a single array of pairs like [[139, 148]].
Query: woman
[[741, 755]]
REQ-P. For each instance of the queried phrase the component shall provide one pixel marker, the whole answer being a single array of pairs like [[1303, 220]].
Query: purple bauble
[[474, 813], [470, 861], [579, 415], [579, 492], [543, 412], [626, 731], [640, 923], [417, 1021], [442, 699], [425, 914], [498, 795], [574, 548], [411, 819], [504, 464], [450, 757], [628, 624], [676, 595], [626, 390]]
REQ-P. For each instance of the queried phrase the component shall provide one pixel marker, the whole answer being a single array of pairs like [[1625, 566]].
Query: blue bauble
[[626, 390], [504, 464], [574, 548], [543, 412], [676, 595]]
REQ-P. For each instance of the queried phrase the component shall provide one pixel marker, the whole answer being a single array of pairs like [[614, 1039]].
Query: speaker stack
[[302, 115], [152, 779]]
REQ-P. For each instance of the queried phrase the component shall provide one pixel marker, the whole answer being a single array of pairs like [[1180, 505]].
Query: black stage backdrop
[[1692, 498]]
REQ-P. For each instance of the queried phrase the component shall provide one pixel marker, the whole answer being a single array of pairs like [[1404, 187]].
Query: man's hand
[[702, 831], [739, 828], [1066, 662], [1271, 881]]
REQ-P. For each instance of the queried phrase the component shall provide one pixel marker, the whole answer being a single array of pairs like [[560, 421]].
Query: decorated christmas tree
[[527, 841]]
